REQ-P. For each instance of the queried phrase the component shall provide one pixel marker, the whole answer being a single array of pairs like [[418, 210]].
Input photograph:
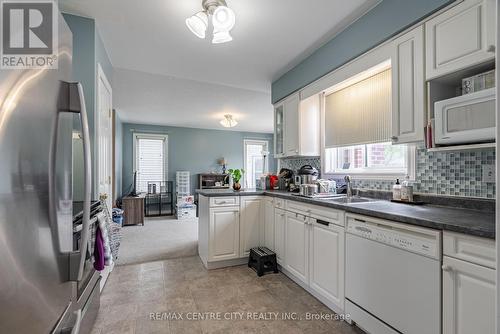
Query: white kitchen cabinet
[[326, 258], [279, 235], [251, 219], [269, 222], [468, 297], [279, 130], [460, 37], [297, 245], [408, 84], [224, 233], [301, 124]]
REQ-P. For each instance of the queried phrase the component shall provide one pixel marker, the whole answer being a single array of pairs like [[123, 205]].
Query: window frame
[[255, 142], [141, 135]]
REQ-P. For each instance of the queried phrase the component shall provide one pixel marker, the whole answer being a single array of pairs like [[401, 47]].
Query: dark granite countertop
[[473, 222]]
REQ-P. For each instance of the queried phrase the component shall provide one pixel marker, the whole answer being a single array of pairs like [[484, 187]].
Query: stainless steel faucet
[[347, 179]]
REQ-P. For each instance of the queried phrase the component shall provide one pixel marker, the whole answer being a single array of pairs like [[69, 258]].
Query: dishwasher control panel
[[411, 240]]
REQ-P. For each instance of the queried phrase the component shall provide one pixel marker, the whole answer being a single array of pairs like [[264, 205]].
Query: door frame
[[102, 79], [255, 141]]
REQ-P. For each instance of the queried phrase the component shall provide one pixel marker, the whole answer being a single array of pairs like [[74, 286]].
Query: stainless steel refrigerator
[[39, 268]]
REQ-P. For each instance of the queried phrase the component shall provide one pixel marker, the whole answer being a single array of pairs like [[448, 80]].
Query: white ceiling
[[270, 37]]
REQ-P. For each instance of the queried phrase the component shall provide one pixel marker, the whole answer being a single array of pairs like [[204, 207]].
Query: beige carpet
[[159, 239]]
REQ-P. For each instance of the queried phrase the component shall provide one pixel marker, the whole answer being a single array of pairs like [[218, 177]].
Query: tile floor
[[183, 286]]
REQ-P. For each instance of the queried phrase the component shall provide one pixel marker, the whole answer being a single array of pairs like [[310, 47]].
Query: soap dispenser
[[396, 191]]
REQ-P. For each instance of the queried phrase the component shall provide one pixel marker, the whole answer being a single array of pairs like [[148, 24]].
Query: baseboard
[[225, 263]]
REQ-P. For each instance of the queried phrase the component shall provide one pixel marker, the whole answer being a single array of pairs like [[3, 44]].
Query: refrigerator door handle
[[77, 104], [78, 322]]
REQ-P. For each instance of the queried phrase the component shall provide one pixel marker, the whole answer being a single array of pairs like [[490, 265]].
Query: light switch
[[489, 173]]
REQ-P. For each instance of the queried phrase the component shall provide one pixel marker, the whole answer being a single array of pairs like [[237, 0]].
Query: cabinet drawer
[[279, 203], [224, 201], [469, 248], [330, 215]]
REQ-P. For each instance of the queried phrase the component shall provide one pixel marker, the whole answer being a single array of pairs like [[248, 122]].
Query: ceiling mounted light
[[228, 121], [223, 20], [198, 24]]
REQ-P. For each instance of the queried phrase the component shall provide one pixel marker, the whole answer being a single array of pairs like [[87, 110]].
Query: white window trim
[[137, 135], [255, 142]]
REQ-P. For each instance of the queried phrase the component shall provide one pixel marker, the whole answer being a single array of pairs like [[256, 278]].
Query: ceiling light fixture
[[223, 20], [228, 121]]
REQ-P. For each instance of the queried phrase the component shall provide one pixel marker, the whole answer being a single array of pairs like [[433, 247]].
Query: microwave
[[465, 119]]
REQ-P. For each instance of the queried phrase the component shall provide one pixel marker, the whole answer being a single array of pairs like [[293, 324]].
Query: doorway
[[104, 142], [256, 160]]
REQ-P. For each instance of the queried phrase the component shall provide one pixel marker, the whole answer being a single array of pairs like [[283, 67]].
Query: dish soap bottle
[[396, 191], [407, 190]]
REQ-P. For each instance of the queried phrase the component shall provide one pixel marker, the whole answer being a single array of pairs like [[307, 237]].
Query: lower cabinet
[[326, 259], [269, 223], [297, 245], [468, 297], [251, 223], [279, 235], [224, 233]]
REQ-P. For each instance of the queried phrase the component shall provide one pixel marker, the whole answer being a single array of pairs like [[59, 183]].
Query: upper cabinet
[[460, 37], [408, 84], [296, 126]]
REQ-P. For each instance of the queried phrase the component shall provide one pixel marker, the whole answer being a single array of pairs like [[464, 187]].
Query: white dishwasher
[[393, 276]]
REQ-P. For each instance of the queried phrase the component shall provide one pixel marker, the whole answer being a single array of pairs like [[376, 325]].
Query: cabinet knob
[[491, 48], [446, 268], [394, 138]]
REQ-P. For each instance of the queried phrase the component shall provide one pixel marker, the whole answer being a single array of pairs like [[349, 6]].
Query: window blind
[[360, 113], [150, 161]]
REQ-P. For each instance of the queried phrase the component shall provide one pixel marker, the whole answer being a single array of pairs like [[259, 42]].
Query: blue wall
[[88, 51], [195, 150], [385, 20], [118, 156]]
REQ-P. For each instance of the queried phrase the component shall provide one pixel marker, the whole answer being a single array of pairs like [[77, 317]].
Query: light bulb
[[221, 37], [198, 24], [223, 18]]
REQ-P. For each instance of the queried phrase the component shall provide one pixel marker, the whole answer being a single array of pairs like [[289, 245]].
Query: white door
[[251, 214], [279, 235], [291, 106], [461, 37], [327, 262], [408, 87], [224, 233], [468, 298], [256, 158], [269, 223], [297, 245], [104, 138]]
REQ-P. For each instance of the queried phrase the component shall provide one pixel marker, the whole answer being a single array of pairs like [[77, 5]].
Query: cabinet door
[[279, 235], [327, 262], [468, 298], [297, 245], [251, 219], [279, 131], [291, 105], [224, 233], [269, 223], [408, 85], [461, 37]]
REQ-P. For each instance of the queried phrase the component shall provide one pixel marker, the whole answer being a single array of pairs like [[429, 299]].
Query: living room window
[[255, 164], [150, 159]]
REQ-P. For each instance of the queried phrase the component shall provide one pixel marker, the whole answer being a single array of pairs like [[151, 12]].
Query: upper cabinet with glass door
[[279, 131], [296, 126], [461, 37]]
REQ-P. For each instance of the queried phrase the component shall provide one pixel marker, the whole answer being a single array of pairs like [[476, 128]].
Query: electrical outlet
[[488, 173]]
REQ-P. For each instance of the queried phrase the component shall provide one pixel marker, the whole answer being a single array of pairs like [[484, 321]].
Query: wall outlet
[[488, 173]]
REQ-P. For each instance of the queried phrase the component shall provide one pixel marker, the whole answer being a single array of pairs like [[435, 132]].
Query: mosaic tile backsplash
[[442, 173]]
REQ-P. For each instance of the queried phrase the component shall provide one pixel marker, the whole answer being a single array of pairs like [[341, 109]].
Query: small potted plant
[[236, 174]]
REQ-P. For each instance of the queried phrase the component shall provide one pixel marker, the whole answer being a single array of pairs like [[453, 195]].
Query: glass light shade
[[198, 24], [221, 37], [228, 121], [223, 18]]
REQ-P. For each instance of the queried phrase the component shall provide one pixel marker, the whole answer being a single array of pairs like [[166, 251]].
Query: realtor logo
[[29, 34]]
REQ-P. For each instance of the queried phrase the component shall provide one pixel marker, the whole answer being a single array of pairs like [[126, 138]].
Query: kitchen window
[[371, 160], [150, 159], [255, 163]]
